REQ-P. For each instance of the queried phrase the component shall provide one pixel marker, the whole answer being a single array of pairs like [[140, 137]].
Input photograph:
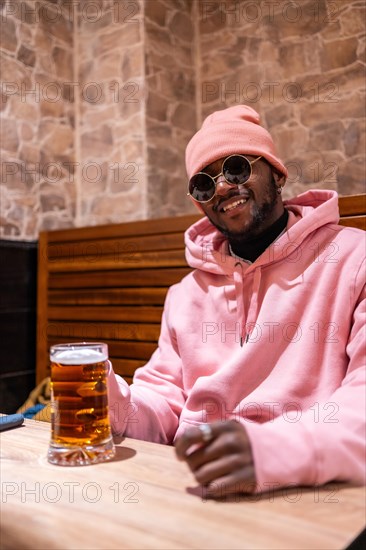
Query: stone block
[[280, 114], [352, 106], [14, 73], [355, 138], [158, 39], [8, 135], [3, 101], [211, 17], [177, 85], [105, 67], [51, 108], [129, 106], [91, 23], [8, 229], [327, 136], [68, 92], [94, 177], [132, 63], [29, 153], [26, 132], [116, 208], [157, 132], [14, 177], [63, 60], [351, 177], [57, 138], [181, 27], [8, 39], [353, 20], [291, 19], [24, 108], [167, 195], [133, 150], [157, 12], [227, 62], [361, 50], [46, 65], [332, 31], [155, 61], [49, 222], [126, 178], [312, 168], [26, 56], [184, 117], [61, 27], [338, 53], [25, 34], [327, 87], [126, 35], [16, 213], [42, 41], [128, 12], [95, 117], [95, 142], [214, 41], [169, 158], [290, 140], [156, 107], [299, 58]]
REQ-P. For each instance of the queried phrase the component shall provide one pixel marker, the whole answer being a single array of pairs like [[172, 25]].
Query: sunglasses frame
[[214, 178]]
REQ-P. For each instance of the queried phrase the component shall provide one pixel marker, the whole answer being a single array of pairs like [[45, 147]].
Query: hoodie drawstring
[[238, 281], [246, 328]]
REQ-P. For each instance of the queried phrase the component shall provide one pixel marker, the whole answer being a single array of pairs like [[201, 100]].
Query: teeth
[[234, 204]]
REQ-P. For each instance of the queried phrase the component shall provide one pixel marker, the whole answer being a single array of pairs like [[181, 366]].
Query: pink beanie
[[232, 130]]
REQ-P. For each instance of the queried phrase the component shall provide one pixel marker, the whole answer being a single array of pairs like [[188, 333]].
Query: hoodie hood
[[207, 249]]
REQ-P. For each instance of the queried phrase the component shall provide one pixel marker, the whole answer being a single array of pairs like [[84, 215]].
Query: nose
[[222, 185]]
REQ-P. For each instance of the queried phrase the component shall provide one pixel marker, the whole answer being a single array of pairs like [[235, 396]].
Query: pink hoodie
[[297, 382]]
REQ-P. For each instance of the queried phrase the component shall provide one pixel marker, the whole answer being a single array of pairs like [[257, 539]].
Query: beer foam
[[82, 356]]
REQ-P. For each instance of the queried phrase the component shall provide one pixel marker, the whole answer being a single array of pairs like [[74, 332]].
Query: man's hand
[[220, 457]]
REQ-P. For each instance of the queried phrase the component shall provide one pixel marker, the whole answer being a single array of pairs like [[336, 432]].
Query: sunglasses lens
[[201, 187], [236, 169]]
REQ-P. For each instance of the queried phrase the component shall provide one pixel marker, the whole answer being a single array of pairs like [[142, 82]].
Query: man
[[259, 376]]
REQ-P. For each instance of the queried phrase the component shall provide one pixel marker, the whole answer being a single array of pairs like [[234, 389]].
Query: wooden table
[[146, 498]]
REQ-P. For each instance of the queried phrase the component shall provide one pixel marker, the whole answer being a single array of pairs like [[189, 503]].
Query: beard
[[260, 214]]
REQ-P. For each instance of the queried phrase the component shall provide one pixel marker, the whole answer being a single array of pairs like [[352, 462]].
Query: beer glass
[[80, 427]]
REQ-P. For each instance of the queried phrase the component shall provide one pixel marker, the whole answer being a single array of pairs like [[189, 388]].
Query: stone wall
[[100, 97], [111, 182], [170, 101], [37, 118], [300, 64]]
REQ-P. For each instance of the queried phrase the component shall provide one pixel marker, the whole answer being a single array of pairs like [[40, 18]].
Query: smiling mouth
[[234, 204]]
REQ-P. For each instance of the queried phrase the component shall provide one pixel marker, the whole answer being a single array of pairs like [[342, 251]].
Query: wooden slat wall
[[108, 283], [352, 209]]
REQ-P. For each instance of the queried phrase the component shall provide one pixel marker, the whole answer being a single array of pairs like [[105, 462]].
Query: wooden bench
[[108, 283]]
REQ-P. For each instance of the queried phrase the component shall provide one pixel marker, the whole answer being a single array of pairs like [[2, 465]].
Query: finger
[[224, 445], [192, 436], [198, 435], [223, 466], [240, 481]]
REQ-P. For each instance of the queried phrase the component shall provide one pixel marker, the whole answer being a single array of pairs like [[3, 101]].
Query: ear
[[280, 179]]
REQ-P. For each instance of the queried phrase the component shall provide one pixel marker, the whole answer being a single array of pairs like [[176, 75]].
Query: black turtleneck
[[253, 248]]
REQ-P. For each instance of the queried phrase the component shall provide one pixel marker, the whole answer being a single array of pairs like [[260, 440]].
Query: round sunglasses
[[236, 170]]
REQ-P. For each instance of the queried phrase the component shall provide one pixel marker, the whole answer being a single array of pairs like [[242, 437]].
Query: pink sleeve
[[328, 440], [149, 409]]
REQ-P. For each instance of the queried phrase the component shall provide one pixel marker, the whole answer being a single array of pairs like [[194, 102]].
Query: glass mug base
[[80, 455]]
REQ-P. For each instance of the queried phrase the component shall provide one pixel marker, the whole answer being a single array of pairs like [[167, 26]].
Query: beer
[[80, 427]]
